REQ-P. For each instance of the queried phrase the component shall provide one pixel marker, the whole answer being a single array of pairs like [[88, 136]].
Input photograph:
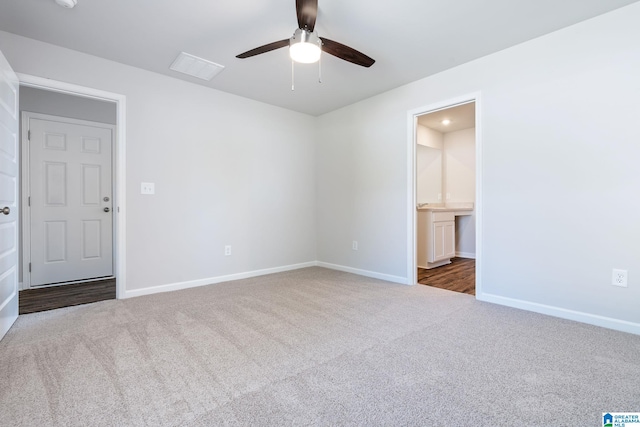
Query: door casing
[[412, 122], [119, 165]]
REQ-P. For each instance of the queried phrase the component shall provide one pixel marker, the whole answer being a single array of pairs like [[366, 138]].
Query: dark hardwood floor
[[459, 276], [43, 299]]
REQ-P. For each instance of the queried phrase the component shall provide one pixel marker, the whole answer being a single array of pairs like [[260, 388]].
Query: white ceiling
[[409, 39], [460, 117]]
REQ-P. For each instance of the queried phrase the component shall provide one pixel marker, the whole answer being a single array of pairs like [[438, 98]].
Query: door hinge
[[29, 135], [29, 201], [29, 267]]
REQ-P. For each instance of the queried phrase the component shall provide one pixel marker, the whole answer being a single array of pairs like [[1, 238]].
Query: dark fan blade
[[307, 11], [266, 48], [346, 53]]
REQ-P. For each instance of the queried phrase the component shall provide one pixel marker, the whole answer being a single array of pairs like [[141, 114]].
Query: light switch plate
[[147, 188]]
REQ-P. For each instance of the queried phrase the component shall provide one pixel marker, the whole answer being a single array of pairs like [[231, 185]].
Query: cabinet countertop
[[463, 208]]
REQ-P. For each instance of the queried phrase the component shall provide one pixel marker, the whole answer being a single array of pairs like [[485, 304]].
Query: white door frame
[[119, 164], [412, 121], [25, 163]]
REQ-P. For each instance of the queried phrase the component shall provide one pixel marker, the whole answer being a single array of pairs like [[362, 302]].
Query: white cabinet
[[437, 236], [443, 243]]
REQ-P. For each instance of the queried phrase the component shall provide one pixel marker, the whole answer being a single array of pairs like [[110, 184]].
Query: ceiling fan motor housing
[[305, 36]]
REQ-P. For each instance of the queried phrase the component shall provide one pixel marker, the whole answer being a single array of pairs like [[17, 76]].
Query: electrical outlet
[[619, 278], [439, 196], [227, 250], [354, 245]]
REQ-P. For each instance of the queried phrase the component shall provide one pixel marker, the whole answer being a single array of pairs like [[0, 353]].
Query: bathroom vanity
[[437, 232]]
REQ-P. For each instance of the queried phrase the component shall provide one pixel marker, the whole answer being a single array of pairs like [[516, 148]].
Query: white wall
[[361, 192], [429, 137], [559, 177], [227, 170], [459, 164], [58, 104]]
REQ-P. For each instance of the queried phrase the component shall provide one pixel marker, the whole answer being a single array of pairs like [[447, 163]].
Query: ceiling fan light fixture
[[304, 47]]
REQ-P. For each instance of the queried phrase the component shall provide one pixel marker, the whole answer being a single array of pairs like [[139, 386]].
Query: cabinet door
[[449, 239], [444, 240]]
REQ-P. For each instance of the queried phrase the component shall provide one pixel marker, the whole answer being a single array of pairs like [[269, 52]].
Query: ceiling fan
[[305, 46]]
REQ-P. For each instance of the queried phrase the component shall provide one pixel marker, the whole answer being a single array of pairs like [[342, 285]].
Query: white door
[[8, 196], [70, 199]]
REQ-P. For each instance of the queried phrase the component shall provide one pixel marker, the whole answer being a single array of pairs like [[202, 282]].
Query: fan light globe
[[304, 47], [305, 53]]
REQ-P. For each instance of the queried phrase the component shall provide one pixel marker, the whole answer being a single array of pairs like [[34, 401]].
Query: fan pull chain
[[292, 76], [320, 69]]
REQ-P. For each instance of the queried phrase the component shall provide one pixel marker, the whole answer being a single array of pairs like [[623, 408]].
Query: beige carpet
[[312, 347]]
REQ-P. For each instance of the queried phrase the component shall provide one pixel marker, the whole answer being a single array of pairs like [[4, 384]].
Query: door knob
[[5, 210], [107, 210]]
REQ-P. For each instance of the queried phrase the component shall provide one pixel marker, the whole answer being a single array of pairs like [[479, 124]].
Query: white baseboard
[[366, 273], [592, 319], [469, 255], [228, 278], [212, 280], [578, 316]]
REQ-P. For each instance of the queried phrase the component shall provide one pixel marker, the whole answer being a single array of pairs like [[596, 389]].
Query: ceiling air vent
[[196, 67]]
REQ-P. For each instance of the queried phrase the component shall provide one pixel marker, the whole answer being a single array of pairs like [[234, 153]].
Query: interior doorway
[[79, 106], [444, 186]]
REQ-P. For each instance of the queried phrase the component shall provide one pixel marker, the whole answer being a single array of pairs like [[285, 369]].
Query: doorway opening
[[97, 183], [444, 185]]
